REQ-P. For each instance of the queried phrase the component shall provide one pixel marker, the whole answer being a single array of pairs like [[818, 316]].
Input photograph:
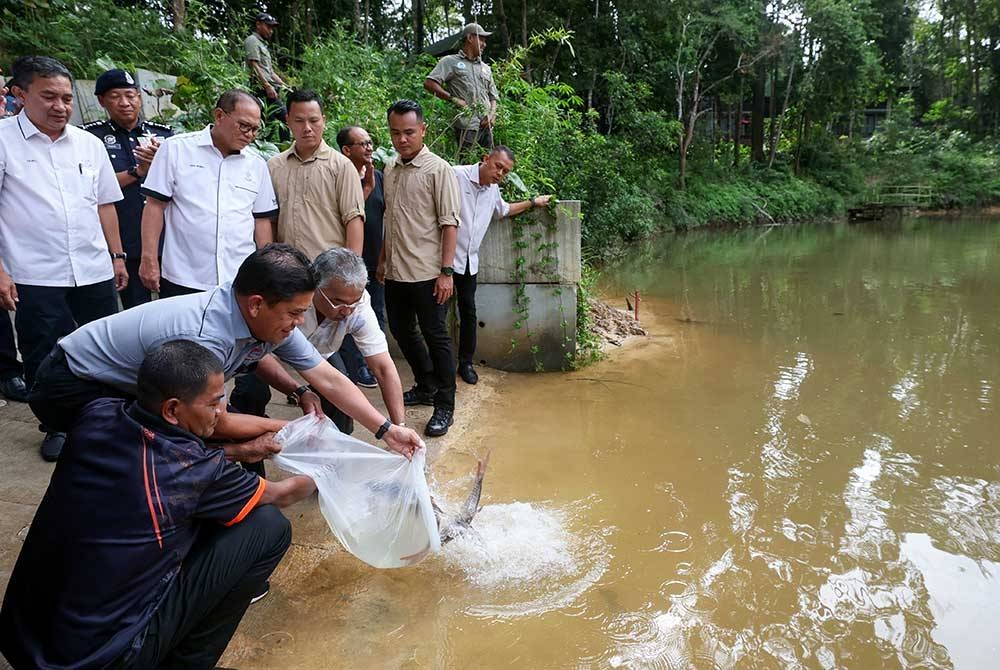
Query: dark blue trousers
[[46, 313]]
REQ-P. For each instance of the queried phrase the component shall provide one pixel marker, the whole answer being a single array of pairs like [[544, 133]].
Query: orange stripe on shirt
[[149, 496], [261, 485]]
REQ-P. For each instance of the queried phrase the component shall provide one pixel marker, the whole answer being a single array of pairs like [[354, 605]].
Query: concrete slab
[[545, 342], [498, 255]]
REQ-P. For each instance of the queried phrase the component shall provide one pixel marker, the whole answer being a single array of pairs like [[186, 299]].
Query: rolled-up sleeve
[[447, 196], [349, 195]]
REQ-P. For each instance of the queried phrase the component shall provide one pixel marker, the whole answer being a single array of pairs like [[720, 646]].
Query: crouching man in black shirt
[[148, 545]]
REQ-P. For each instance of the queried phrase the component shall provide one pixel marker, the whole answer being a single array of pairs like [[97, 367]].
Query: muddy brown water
[[798, 468]]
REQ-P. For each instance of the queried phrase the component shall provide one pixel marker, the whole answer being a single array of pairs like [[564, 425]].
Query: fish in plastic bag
[[376, 502]]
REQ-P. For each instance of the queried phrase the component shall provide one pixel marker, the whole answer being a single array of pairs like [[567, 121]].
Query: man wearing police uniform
[[131, 143], [464, 80]]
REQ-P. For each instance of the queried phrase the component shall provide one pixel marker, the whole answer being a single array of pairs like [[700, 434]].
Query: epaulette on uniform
[[94, 124], [159, 126]]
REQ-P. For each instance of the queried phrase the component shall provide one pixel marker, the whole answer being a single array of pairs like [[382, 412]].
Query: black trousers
[[58, 395], [168, 289], [9, 365], [134, 293], [225, 568], [412, 304], [251, 394], [465, 297], [46, 313]]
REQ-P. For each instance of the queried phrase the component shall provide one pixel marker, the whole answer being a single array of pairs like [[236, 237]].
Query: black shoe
[[416, 396], [467, 373], [260, 596], [14, 388], [52, 446], [366, 379], [440, 420]]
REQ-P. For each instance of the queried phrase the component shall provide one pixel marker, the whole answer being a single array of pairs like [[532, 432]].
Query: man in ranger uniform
[[131, 142]]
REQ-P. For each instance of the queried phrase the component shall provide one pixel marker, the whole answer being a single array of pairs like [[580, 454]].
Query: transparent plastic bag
[[375, 501]]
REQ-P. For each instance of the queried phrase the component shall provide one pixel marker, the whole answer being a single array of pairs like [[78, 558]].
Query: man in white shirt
[[61, 258], [481, 201], [212, 200], [341, 306]]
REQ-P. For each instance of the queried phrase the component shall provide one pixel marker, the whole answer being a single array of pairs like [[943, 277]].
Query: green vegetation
[[627, 106], [632, 111]]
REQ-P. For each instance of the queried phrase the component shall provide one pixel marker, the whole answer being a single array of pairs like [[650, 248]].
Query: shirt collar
[[240, 329], [204, 139], [29, 129], [156, 423], [418, 161], [322, 153], [462, 55]]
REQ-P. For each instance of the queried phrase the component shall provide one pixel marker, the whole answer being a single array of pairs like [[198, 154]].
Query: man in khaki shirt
[[321, 206], [319, 193], [464, 80], [422, 203]]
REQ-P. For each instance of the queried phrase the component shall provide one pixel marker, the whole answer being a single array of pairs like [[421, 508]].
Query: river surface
[[798, 468]]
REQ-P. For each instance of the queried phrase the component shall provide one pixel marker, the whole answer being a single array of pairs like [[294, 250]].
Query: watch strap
[[300, 391], [383, 429]]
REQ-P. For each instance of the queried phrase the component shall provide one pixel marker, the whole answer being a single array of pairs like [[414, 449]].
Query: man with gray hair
[[341, 306]]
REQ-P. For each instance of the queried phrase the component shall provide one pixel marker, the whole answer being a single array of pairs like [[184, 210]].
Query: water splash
[[520, 549]]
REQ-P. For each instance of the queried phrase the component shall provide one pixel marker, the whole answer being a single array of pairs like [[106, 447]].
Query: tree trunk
[[524, 23], [738, 128], [418, 26], [772, 111], [179, 10], [781, 115], [367, 21], [501, 17], [467, 13], [757, 117], [356, 18]]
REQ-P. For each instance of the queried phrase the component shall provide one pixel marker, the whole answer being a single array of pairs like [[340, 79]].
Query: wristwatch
[[300, 391], [447, 272], [115, 255], [134, 173]]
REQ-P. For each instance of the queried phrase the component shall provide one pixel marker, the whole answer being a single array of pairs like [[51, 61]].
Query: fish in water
[[451, 526]]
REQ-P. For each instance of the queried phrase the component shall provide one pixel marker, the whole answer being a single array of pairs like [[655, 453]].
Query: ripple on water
[[526, 560], [674, 541]]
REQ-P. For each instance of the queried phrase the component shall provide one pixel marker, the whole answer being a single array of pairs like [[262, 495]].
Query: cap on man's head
[[114, 79], [266, 18], [474, 29]]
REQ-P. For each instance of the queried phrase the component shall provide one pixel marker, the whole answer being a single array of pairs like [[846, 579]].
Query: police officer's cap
[[267, 18], [114, 79]]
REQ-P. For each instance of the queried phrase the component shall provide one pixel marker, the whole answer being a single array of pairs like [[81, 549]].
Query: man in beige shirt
[[321, 204], [422, 203]]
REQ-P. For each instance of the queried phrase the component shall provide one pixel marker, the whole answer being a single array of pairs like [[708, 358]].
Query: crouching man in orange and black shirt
[[148, 545]]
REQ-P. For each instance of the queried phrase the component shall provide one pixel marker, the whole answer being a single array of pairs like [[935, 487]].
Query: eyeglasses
[[366, 143], [337, 308], [246, 128]]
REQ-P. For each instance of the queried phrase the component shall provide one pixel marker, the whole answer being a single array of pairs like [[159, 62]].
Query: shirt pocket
[[81, 180], [244, 194]]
